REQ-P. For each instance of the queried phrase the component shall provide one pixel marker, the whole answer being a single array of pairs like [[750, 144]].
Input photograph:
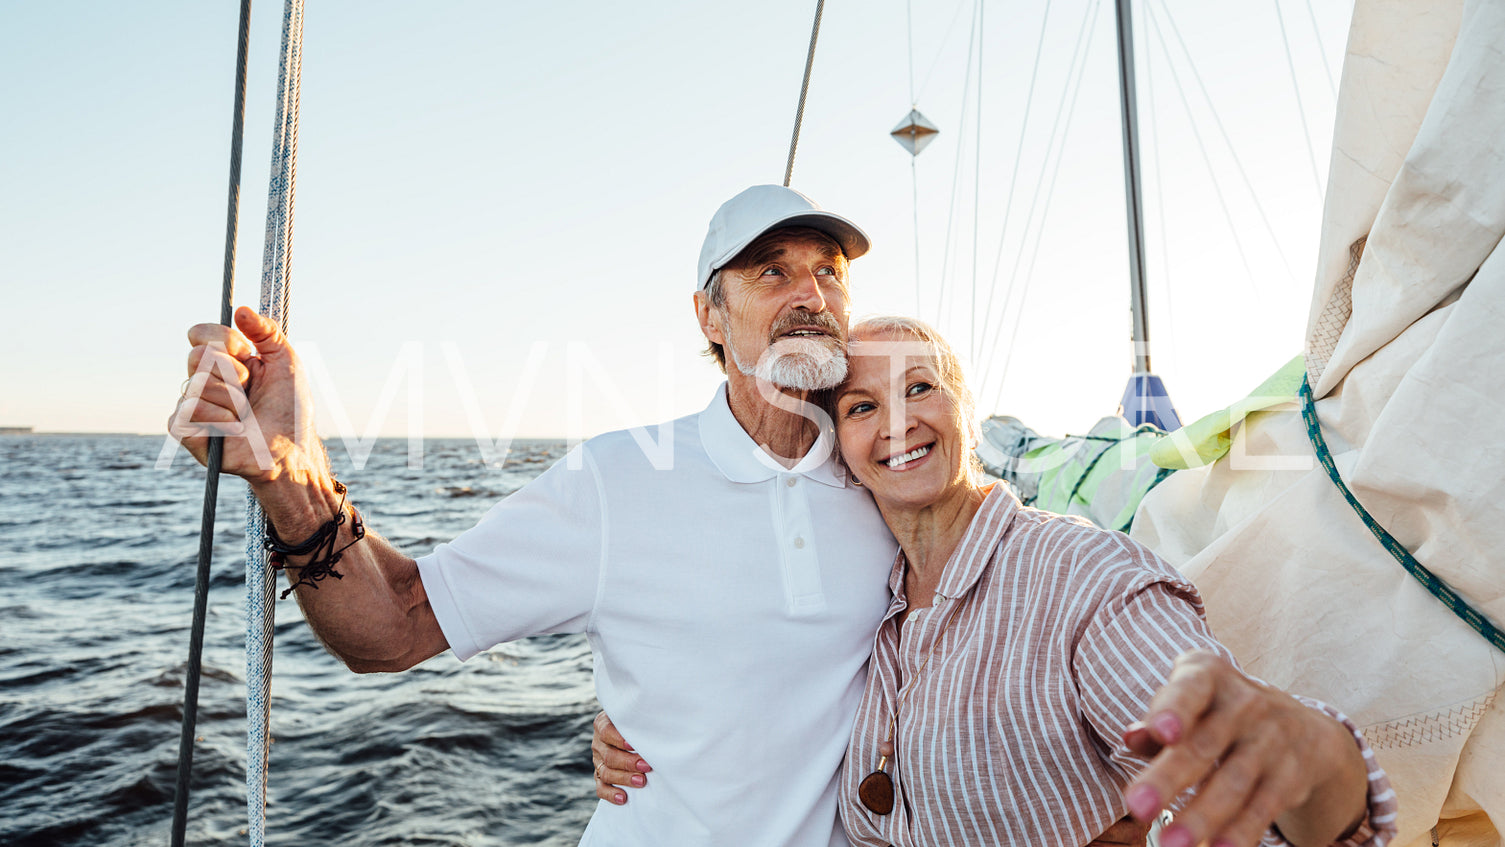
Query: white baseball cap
[[761, 208]]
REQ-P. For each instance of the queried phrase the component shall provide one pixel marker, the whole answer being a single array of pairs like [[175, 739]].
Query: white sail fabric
[[1406, 354]]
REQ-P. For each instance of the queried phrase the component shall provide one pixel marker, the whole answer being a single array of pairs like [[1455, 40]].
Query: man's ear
[[710, 320]]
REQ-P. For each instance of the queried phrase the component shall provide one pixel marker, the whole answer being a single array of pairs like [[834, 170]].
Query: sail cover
[[1406, 355]]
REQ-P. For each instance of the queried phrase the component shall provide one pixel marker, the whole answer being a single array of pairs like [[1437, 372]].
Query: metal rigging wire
[[1238, 243], [1218, 122], [1079, 53], [1165, 261], [940, 51], [1070, 111], [914, 172], [914, 182], [216, 453], [972, 340], [799, 115], [1306, 133], [940, 296], [1332, 88], [1008, 204], [909, 31]]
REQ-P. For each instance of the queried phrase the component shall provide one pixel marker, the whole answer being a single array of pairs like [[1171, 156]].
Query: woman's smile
[[901, 424], [905, 461]]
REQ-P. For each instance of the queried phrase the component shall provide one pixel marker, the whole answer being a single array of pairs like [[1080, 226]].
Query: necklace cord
[[876, 791], [914, 680]]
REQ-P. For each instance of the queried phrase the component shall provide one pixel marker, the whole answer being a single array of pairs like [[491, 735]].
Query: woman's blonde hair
[[948, 367]]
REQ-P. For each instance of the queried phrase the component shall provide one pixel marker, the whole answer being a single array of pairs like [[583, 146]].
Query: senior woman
[[1036, 677]]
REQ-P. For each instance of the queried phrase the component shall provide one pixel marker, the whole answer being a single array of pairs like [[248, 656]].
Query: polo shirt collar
[[740, 459], [989, 529]]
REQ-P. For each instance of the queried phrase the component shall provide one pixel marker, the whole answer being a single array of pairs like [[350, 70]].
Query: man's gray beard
[[798, 364]]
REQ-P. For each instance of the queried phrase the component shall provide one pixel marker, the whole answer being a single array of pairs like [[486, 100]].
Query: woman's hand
[[1256, 754], [617, 764]]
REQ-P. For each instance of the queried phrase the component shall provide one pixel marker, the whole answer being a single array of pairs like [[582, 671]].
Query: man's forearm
[[376, 616]]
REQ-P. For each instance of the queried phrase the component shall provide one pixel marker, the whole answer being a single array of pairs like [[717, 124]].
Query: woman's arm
[[1257, 753]]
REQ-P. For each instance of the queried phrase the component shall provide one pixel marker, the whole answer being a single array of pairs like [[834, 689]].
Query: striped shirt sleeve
[[1125, 656], [1126, 653]]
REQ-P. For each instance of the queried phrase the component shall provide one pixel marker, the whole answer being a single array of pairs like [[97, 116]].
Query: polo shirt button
[[790, 482], [799, 543]]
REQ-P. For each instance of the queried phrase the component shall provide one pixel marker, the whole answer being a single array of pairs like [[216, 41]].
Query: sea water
[[97, 557]]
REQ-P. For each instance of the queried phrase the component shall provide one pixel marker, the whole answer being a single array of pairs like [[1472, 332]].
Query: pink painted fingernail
[[639, 780], [644, 766], [1168, 727], [1175, 836], [619, 799], [1144, 802]]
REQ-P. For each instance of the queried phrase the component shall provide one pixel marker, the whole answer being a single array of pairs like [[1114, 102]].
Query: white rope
[[261, 580]]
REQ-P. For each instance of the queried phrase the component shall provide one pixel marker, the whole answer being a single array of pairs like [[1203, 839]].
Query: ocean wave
[[97, 573]]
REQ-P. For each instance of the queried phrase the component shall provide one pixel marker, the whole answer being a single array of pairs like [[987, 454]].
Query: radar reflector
[[915, 132]]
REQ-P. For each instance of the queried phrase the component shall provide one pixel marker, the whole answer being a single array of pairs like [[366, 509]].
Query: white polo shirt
[[730, 606]]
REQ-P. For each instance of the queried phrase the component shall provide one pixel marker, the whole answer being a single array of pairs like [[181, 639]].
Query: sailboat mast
[[1141, 320]]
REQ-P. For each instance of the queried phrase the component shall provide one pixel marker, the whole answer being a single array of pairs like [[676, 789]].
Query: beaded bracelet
[[319, 547]]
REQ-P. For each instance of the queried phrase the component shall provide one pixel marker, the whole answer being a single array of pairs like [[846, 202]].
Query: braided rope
[[276, 268], [799, 115], [1439, 589]]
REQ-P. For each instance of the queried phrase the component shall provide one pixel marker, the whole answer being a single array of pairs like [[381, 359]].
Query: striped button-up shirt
[[1059, 635]]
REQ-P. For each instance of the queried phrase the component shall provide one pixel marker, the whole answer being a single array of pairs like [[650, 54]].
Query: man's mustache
[[824, 321]]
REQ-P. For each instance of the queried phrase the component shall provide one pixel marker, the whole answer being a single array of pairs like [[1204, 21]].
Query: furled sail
[[1406, 356]]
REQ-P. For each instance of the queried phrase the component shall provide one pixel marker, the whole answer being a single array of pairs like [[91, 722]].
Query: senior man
[[729, 598]]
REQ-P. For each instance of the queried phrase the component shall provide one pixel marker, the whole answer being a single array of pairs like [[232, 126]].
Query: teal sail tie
[[1480, 624]]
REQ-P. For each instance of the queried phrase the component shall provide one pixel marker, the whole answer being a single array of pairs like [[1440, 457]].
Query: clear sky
[[499, 200]]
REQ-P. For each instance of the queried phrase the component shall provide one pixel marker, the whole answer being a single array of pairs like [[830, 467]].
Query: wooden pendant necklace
[[876, 791]]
